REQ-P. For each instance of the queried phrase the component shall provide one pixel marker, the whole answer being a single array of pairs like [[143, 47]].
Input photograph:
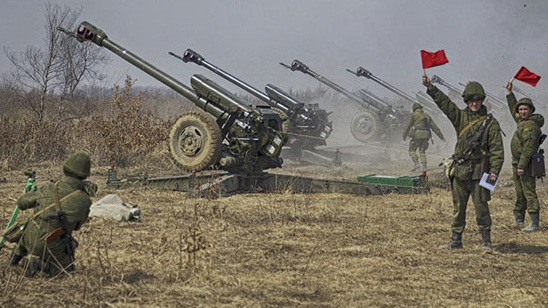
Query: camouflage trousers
[[422, 146], [526, 194], [53, 255], [462, 190]]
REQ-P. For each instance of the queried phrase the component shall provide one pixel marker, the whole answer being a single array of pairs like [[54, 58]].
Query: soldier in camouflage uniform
[[472, 158], [54, 257], [418, 127], [524, 143]]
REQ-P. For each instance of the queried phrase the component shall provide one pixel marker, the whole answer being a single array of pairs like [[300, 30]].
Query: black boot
[[534, 225], [455, 243], [32, 265], [15, 259], [519, 218], [486, 239]]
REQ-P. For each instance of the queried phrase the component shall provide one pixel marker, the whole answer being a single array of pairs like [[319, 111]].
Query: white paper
[[485, 183]]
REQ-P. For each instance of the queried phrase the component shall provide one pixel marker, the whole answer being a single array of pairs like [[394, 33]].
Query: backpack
[[538, 169]]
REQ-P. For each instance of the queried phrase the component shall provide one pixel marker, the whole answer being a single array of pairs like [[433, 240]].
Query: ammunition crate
[[404, 181]]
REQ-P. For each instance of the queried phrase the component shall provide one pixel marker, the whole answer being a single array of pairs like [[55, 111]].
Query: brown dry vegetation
[[296, 250], [258, 250]]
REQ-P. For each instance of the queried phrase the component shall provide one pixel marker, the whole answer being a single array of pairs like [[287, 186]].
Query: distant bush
[[124, 134], [127, 134]]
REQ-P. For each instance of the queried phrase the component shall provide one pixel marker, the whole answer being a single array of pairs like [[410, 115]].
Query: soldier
[[524, 143], [478, 150], [47, 244], [417, 127]]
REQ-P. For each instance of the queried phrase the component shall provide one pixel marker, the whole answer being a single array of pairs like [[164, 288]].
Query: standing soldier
[[478, 150], [59, 208], [524, 143], [417, 127]]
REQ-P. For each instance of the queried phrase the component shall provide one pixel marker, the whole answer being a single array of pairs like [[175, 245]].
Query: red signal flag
[[527, 76], [431, 59]]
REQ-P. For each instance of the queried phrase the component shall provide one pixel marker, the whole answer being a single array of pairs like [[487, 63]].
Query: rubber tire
[[202, 148], [365, 126]]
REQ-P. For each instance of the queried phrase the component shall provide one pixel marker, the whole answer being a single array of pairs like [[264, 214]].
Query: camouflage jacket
[[489, 146], [418, 126], [75, 207], [525, 141]]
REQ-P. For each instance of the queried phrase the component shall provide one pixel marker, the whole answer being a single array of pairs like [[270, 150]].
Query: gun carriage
[[307, 126], [378, 117], [230, 136]]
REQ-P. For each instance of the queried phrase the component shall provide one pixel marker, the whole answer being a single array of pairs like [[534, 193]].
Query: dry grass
[[272, 250]]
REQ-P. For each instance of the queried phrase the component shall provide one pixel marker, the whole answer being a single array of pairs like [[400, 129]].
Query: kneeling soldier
[[47, 244]]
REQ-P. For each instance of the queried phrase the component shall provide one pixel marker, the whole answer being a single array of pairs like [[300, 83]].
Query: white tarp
[[112, 206]]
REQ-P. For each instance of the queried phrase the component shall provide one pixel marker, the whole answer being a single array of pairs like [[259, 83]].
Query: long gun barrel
[[378, 119], [437, 79], [372, 105], [423, 97], [362, 72], [191, 56], [196, 142], [88, 32], [303, 121]]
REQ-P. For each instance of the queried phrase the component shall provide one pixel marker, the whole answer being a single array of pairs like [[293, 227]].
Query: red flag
[[431, 59], [527, 76]]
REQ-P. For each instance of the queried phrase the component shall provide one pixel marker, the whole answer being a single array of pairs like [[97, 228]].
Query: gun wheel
[[195, 141], [365, 126]]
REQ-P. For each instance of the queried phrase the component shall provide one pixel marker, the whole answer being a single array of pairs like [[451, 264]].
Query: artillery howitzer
[[232, 137], [378, 117], [306, 126], [362, 72]]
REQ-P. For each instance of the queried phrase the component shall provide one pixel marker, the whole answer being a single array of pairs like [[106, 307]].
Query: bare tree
[[47, 79]]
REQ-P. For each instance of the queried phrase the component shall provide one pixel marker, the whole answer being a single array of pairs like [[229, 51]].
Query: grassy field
[[287, 250]]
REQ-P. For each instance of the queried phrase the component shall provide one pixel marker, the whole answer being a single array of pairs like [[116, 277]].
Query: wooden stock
[[53, 235]]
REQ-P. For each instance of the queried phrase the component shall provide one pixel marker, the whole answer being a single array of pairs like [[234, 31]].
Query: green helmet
[[526, 101], [473, 91], [78, 165], [417, 106]]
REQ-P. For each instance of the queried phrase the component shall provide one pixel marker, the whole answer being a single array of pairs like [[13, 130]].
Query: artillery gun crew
[[230, 136]]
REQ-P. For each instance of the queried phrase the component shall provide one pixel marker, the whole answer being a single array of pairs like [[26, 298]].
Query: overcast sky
[[487, 40]]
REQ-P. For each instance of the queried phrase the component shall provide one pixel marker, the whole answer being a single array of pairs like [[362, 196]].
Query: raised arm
[[512, 102], [444, 103]]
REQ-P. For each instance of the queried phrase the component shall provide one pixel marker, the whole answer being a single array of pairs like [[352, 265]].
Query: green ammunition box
[[404, 181]]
